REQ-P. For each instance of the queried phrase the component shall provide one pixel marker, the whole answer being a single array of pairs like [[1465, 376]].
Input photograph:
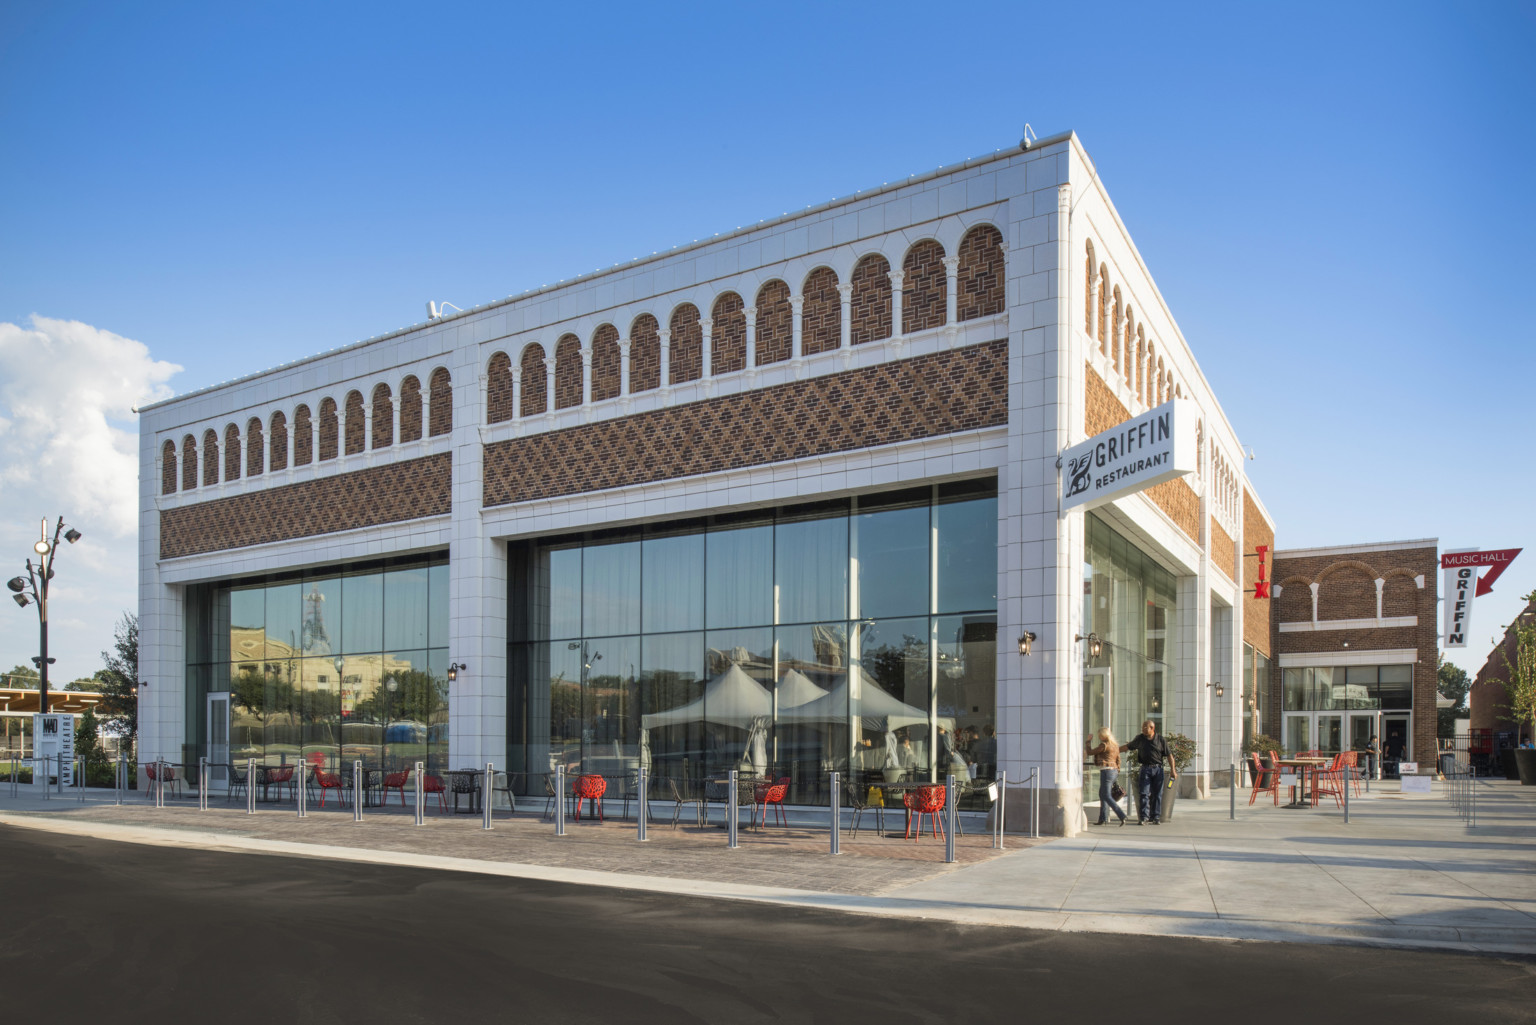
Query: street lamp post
[[33, 590]]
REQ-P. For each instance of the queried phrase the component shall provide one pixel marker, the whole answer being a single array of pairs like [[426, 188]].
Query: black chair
[[682, 795], [237, 781], [501, 783], [857, 795], [632, 793]]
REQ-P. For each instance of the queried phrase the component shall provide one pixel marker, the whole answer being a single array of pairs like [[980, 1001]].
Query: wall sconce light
[[1346, 644], [1221, 690], [1025, 640], [453, 670], [1095, 644]]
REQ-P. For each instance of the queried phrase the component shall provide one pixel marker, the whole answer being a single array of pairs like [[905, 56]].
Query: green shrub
[[1260, 744]]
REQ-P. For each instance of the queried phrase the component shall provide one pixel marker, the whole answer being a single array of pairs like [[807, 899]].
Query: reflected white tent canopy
[[878, 710], [796, 689], [731, 699]]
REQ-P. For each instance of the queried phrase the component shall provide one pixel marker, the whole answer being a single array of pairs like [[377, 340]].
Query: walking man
[[1151, 751]]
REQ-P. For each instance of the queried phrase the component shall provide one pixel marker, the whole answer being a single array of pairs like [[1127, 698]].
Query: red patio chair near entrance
[[924, 801], [396, 781], [589, 788], [1265, 781], [152, 773], [1352, 769], [433, 784], [328, 781], [1329, 779], [765, 794]]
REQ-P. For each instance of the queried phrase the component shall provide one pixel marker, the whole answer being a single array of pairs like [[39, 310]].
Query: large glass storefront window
[[328, 666], [857, 635], [1345, 708]]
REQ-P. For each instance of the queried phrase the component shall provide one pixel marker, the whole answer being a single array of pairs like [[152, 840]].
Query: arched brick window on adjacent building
[[255, 448], [821, 314], [355, 438], [923, 287], [1346, 590], [210, 457], [567, 372], [728, 337], [981, 280], [535, 401], [1400, 595], [383, 434], [330, 430], [607, 365], [231, 452], [439, 403], [1294, 605], [498, 388], [644, 354], [1114, 331], [410, 409], [168, 468], [775, 323], [277, 441], [870, 308], [303, 436], [1103, 309], [685, 353], [188, 463], [1088, 279]]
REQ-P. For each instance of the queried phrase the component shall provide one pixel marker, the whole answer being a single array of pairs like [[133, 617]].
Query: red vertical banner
[[1261, 585]]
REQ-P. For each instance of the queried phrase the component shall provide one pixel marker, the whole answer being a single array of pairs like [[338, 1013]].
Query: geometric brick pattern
[[1102, 410], [355, 437], [303, 436], [168, 468], [644, 354], [498, 388], [231, 452], [410, 409], [728, 337], [1256, 611], [534, 399], [279, 441], [925, 396], [210, 457], [439, 403], [253, 447], [605, 363], [686, 352], [383, 418], [979, 283], [775, 323], [870, 305], [924, 284], [1223, 550], [567, 372], [821, 317], [362, 498], [330, 430], [188, 463]]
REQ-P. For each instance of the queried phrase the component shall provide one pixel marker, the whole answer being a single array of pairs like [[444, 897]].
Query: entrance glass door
[[218, 741], [1098, 706], [1298, 733]]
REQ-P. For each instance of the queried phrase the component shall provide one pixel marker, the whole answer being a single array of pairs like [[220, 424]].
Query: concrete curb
[[1501, 940]]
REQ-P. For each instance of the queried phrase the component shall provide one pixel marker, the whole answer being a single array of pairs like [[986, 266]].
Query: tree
[[1520, 671], [1454, 683], [86, 744], [24, 677], [119, 680], [85, 683]]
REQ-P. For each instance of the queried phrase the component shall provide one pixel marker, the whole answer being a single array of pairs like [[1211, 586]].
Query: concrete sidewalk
[[1406, 871]]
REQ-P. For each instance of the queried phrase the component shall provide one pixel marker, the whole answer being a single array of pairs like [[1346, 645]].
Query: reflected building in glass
[[784, 501]]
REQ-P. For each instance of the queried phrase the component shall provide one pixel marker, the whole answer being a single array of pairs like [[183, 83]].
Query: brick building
[[786, 499], [1355, 634], [1487, 701]]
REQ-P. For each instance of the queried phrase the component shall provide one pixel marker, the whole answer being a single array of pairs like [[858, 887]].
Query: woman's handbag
[[1116, 792]]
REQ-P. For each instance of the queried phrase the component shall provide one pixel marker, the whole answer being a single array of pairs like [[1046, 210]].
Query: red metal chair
[[433, 784], [151, 772], [1352, 769], [924, 801], [1265, 781], [591, 788], [1329, 779], [765, 794], [328, 781], [396, 781]]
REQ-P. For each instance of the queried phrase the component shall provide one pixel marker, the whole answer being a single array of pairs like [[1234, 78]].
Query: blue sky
[[1334, 199]]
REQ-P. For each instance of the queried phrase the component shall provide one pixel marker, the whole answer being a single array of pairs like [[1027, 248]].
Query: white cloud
[[69, 447]]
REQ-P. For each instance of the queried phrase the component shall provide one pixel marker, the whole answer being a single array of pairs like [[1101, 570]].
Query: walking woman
[[1107, 757]]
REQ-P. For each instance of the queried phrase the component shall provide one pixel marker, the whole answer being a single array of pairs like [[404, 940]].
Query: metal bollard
[[487, 790], [159, 782], [732, 831], [80, 779], [120, 780], [47, 790], [837, 813], [359, 791], [301, 799], [1001, 813], [1232, 797], [949, 816], [250, 786], [421, 808], [1034, 801], [202, 784], [1347, 788], [641, 783], [559, 800]]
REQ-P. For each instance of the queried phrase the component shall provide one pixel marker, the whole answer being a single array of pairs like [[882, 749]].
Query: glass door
[[1298, 733], [1396, 743], [1098, 706], [218, 741], [1330, 734]]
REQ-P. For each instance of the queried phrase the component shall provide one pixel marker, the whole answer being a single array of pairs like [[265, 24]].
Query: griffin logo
[[1080, 470]]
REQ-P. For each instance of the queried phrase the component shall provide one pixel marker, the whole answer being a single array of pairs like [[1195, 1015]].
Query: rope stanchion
[[250, 786], [949, 819], [560, 800], [732, 829], [1232, 794], [301, 797], [642, 782], [1034, 802], [359, 791], [202, 784], [1000, 815], [834, 823], [487, 789], [421, 807]]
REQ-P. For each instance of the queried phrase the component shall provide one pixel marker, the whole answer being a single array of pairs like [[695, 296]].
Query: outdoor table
[[902, 788], [745, 785], [373, 780], [1308, 767], [465, 781]]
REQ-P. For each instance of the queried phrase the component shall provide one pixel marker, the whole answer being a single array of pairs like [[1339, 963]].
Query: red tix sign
[[1499, 560]]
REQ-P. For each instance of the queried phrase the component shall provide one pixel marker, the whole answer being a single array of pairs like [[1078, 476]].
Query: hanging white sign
[[1145, 450]]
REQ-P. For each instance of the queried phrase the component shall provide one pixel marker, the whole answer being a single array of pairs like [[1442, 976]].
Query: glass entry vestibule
[[1343, 708]]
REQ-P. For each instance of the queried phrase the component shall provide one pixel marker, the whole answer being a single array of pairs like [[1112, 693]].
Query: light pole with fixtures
[[38, 577]]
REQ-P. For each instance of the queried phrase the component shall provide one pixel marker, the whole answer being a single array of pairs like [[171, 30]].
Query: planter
[[1507, 763], [1525, 763], [1170, 796]]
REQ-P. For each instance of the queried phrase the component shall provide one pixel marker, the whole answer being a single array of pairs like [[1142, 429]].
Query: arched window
[[277, 441], [210, 457], [607, 365], [1103, 307], [644, 354], [383, 434], [498, 388], [231, 452], [303, 436], [775, 323], [535, 400], [255, 448], [1139, 370], [330, 430], [1114, 333], [168, 468], [685, 353], [870, 309], [1127, 345], [356, 427], [1088, 282], [1162, 381], [410, 409], [981, 278], [728, 338], [439, 403], [567, 372], [188, 463], [924, 287], [821, 314]]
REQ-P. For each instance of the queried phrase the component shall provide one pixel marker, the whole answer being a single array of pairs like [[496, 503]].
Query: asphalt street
[[149, 934]]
